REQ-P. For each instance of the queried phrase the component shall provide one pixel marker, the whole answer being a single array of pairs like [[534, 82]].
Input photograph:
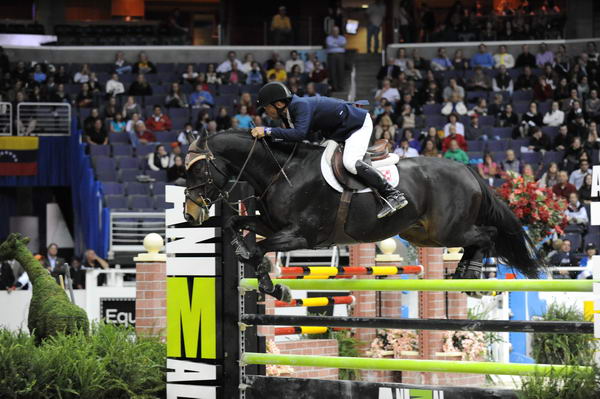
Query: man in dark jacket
[[390, 71], [525, 58], [336, 120]]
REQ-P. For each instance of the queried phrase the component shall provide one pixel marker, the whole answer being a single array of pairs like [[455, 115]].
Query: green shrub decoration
[[111, 362]]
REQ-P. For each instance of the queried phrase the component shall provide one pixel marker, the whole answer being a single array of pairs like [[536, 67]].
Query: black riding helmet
[[271, 92]]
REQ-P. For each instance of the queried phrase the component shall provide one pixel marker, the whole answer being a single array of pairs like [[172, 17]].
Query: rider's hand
[[258, 132]]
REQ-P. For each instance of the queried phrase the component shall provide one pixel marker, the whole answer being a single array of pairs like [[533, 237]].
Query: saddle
[[377, 152]]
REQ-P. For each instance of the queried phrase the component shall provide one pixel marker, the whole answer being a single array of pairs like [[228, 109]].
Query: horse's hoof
[[240, 248], [282, 293], [265, 266]]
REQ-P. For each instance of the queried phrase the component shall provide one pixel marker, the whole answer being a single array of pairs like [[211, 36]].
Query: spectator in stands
[[550, 76], [140, 87], [454, 106], [488, 169], [189, 75], [281, 26], [563, 139], [474, 131], [59, 95], [482, 58], [453, 135], [563, 188], [407, 118], [53, 263], [459, 62], [256, 75], [389, 71], [130, 126], [563, 258], [143, 65], [201, 98], [441, 62], [110, 109], [562, 90], [526, 80], [278, 72], [528, 173], [433, 136], [420, 62], [244, 120], [530, 119], [93, 261], [488, 34], [39, 75], [309, 65], [294, 60], [336, 49], [274, 59], [247, 64], [295, 73], [121, 65], [504, 58], [576, 213], [577, 126], [585, 191], [61, 75], [94, 83], [430, 150], [480, 108], [550, 177], [159, 159], [502, 81], [511, 164], [544, 56], [246, 99], [213, 76], [117, 125], [590, 252], [497, 105], [375, 13], [158, 122], [412, 140], [592, 105], [388, 92], [97, 135], [84, 98], [77, 273], [453, 88], [143, 135], [455, 153], [131, 107], [176, 97], [82, 76], [412, 73], [583, 88], [311, 90], [234, 76], [404, 150], [578, 175], [113, 86], [479, 81], [188, 131], [385, 125], [542, 90], [401, 59], [223, 119], [176, 173], [431, 94], [453, 122], [538, 142], [554, 117], [593, 142]]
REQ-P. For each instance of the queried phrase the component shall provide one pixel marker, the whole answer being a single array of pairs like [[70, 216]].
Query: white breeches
[[357, 144]]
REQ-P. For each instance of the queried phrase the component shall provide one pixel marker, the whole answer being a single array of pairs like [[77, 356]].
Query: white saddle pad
[[387, 167]]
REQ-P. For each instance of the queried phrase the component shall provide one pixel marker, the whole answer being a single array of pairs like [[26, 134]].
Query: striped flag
[[18, 156]]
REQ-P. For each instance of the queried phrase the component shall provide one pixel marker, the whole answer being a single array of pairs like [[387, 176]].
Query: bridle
[[197, 154]]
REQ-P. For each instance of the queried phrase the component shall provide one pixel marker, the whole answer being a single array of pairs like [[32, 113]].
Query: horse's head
[[204, 183]]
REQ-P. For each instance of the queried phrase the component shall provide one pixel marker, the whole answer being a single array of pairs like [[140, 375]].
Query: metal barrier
[[6, 119], [128, 229], [43, 119]]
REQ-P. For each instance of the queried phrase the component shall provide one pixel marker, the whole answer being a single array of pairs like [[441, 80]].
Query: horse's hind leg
[[479, 241]]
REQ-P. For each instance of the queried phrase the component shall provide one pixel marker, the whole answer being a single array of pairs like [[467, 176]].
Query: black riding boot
[[392, 198]]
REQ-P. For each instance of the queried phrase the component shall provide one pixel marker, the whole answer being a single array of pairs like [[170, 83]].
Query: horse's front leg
[[245, 248]]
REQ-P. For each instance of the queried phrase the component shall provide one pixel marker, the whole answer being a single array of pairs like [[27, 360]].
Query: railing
[[6, 120], [44, 119], [128, 229]]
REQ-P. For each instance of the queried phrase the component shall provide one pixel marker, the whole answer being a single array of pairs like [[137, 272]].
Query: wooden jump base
[[318, 301], [431, 285], [561, 327], [336, 272], [440, 366]]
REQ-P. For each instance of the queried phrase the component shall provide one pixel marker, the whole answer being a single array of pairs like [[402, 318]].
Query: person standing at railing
[[563, 257], [336, 50], [281, 26], [93, 261], [376, 13]]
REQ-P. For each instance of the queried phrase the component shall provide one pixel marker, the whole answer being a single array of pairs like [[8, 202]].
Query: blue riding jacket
[[336, 119]]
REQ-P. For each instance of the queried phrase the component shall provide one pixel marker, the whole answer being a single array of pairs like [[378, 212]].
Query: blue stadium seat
[[252, 89], [135, 188], [432, 109], [521, 107], [159, 175], [550, 131], [127, 163], [435, 120], [475, 145], [158, 188], [225, 100], [229, 90], [103, 163], [522, 96], [487, 120], [115, 138], [115, 201], [140, 202], [178, 113], [122, 150], [112, 188], [531, 157], [166, 68], [99, 150], [593, 238], [498, 156], [497, 145], [106, 175], [554, 156], [166, 137], [159, 202], [502, 132], [143, 150], [128, 175]]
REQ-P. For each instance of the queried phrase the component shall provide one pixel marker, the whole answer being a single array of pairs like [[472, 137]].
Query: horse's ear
[[190, 137]]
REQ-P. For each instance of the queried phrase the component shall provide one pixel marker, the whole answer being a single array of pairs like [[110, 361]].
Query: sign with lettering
[[118, 311]]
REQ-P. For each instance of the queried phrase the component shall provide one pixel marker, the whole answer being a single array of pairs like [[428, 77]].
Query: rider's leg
[[354, 151]]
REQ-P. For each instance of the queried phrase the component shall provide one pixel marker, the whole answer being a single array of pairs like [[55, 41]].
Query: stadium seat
[[432, 109], [521, 107], [116, 138], [497, 145], [593, 238], [522, 95], [435, 120], [502, 132], [102, 150], [127, 163], [122, 150], [143, 150], [135, 188], [178, 112], [112, 188], [550, 131], [159, 202], [158, 188], [103, 163], [531, 157], [166, 137], [115, 201], [554, 156], [128, 175], [159, 175], [140, 203], [475, 145], [252, 89], [486, 120], [229, 90]]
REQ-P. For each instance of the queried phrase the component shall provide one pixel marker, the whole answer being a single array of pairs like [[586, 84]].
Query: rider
[[337, 121]]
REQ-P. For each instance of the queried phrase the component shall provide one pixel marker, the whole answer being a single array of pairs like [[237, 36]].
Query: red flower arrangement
[[537, 208]]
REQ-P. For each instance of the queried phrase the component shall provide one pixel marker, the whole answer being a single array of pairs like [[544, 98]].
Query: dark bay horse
[[449, 205]]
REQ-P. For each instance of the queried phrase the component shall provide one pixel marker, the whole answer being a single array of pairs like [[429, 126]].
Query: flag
[[18, 156]]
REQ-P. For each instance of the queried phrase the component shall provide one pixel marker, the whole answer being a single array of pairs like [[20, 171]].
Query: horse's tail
[[513, 244]]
